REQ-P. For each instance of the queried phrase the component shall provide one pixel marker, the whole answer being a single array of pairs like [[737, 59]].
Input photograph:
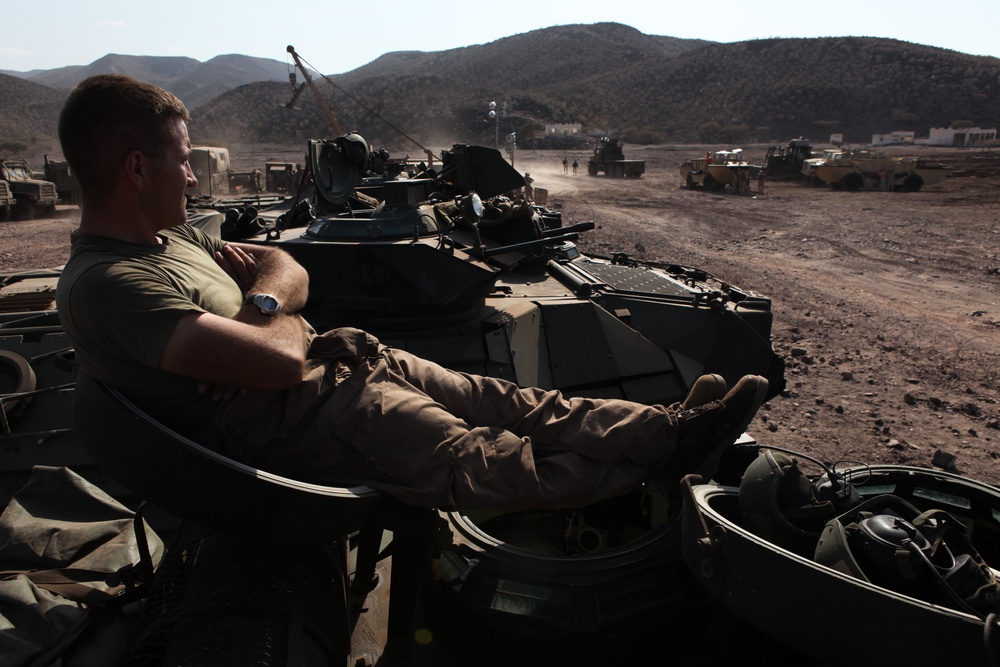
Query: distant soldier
[[761, 177], [529, 192], [575, 165], [565, 166]]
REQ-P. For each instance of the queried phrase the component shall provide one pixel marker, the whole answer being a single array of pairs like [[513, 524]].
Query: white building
[[896, 137], [563, 129], [966, 136]]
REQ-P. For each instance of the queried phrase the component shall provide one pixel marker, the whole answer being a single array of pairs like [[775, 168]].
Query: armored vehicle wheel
[[851, 182], [25, 209], [592, 169], [709, 182], [4, 213], [913, 183], [690, 182], [16, 377]]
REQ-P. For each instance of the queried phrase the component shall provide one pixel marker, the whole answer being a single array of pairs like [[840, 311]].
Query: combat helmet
[[785, 507], [890, 543]]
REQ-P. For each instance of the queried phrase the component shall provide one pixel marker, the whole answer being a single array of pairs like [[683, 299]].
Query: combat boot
[[705, 432]]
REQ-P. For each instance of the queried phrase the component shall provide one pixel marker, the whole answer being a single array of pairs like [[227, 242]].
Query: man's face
[[170, 175]]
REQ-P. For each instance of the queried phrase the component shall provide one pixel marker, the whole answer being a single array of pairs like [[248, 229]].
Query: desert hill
[[193, 81], [648, 90], [610, 77]]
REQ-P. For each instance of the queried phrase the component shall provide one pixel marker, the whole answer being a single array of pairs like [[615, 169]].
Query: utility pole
[[511, 146], [495, 115], [496, 124]]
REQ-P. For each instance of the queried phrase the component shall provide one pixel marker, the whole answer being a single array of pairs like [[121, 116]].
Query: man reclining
[[206, 336]]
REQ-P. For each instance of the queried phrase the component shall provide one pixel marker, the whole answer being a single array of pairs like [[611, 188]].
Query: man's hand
[[239, 264], [251, 350], [220, 391], [270, 270]]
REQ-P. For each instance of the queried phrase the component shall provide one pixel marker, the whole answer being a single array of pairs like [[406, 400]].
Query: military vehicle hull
[[517, 300], [536, 327]]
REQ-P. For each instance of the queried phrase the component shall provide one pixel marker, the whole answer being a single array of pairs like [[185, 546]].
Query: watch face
[[266, 303]]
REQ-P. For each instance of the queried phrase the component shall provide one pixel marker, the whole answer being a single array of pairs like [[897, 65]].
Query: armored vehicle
[[505, 292], [406, 258], [33, 195], [609, 158]]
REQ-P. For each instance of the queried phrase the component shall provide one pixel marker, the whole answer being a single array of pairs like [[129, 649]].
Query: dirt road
[[886, 305]]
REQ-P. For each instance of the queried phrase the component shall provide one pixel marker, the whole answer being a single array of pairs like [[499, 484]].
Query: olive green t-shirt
[[119, 302]]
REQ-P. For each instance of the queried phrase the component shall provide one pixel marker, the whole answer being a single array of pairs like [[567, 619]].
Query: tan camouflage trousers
[[437, 438]]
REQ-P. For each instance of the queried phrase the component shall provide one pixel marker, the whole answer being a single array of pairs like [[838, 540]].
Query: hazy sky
[[337, 37]]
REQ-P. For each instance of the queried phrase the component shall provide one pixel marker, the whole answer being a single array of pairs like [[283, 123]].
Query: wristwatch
[[268, 303]]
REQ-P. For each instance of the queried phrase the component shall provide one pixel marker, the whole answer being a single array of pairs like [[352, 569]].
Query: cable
[[822, 465], [963, 606], [369, 109], [835, 477]]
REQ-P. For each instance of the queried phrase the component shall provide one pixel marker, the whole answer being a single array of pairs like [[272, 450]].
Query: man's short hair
[[106, 117]]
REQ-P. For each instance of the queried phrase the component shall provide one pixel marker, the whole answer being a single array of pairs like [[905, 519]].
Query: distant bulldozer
[[784, 162]]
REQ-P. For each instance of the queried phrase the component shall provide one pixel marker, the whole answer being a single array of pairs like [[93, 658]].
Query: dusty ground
[[886, 305]]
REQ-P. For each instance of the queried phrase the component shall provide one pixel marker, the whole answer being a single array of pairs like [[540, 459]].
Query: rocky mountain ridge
[[608, 76]]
